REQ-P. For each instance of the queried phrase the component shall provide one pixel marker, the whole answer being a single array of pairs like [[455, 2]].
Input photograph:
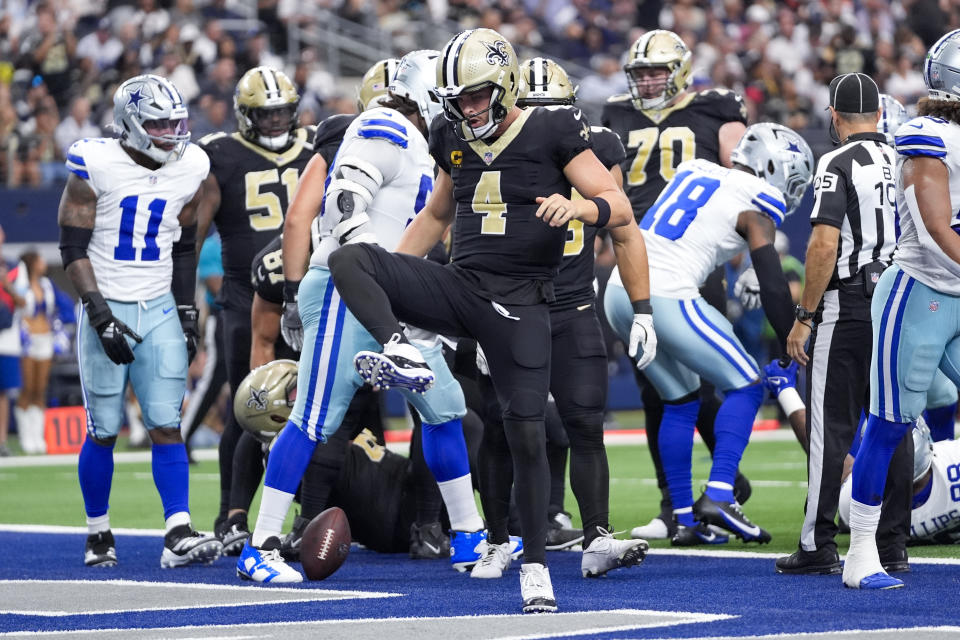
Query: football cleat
[[536, 589], [695, 536], [822, 562], [466, 547], [233, 533], [656, 529], [606, 553], [495, 559], [100, 550], [729, 516], [561, 534], [428, 541], [399, 365], [742, 489], [182, 546], [290, 545], [265, 564]]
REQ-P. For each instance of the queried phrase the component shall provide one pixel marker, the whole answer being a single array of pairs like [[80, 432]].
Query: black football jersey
[[256, 186], [329, 136], [498, 243], [658, 141], [573, 286], [266, 272]]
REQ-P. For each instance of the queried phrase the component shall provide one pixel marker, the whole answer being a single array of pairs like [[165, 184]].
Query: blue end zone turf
[[744, 587]]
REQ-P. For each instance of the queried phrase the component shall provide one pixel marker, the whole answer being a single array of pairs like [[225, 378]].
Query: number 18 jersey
[[691, 228], [137, 215]]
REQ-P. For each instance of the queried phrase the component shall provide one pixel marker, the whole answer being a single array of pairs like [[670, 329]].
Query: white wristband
[[790, 401]]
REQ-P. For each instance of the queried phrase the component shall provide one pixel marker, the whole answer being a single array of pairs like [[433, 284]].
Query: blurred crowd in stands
[[60, 60]]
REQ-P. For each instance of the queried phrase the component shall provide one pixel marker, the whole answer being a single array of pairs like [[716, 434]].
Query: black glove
[[191, 331], [112, 332]]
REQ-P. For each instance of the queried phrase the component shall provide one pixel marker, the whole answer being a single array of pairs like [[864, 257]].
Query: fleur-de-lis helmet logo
[[497, 53]]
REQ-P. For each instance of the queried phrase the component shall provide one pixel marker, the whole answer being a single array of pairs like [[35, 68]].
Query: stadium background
[[60, 61]]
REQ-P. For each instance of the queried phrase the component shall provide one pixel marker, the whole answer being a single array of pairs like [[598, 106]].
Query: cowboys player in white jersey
[[380, 179], [127, 239], [704, 216], [916, 305]]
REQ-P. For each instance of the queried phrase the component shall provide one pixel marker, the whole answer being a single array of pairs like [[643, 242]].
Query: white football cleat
[[399, 365], [605, 553], [536, 589], [862, 568], [265, 564], [656, 529]]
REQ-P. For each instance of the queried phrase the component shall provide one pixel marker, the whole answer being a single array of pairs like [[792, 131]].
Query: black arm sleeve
[[184, 283], [73, 243], [774, 291]]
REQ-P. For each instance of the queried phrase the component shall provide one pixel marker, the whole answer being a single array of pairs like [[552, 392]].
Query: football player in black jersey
[[578, 367], [663, 124], [253, 175], [504, 179]]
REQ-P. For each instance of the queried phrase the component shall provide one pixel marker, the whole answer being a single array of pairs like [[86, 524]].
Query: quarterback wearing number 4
[[704, 216], [127, 238]]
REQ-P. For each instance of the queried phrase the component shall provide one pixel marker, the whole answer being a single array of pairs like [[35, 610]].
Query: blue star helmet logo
[[136, 97], [793, 147]]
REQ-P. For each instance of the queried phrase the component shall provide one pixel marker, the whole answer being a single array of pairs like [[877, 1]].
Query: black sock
[[527, 440], [589, 473], [247, 471]]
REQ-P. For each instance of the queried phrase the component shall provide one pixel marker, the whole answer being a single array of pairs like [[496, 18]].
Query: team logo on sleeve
[[497, 53]]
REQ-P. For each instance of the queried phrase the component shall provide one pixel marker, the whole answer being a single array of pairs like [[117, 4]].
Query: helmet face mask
[[779, 156], [415, 80], [151, 117], [543, 82], [658, 69], [941, 68], [373, 85], [265, 398], [472, 62], [265, 104]]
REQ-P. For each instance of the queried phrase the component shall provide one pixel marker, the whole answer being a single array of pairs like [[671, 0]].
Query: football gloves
[[191, 329], [113, 333], [291, 326], [643, 336], [777, 377], [747, 290]]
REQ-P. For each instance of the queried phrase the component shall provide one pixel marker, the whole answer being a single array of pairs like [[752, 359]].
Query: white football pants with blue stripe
[[916, 331], [158, 373], [327, 378], [694, 340]]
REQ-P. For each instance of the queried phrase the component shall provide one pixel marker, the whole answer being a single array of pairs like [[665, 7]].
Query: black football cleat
[[729, 516], [822, 562], [100, 550], [695, 536], [290, 545], [399, 365]]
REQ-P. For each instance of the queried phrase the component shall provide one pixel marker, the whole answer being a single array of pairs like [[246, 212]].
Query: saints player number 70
[[125, 249]]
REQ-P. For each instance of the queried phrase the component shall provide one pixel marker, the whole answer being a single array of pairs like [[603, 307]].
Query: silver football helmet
[[151, 117], [941, 68], [922, 449], [892, 115], [265, 398], [416, 80], [778, 155]]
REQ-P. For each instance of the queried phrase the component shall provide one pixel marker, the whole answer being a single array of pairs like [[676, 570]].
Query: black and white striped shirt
[[855, 191]]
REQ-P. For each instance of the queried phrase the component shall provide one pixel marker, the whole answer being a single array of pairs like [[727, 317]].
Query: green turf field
[[51, 495]]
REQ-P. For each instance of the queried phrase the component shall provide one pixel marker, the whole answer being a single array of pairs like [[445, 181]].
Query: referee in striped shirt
[[852, 242]]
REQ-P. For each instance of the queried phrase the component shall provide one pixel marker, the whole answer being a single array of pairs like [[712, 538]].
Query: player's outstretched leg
[[606, 553], [400, 364]]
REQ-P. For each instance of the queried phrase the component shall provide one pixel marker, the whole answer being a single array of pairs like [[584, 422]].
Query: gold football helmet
[[475, 60], [265, 398], [544, 82], [266, 104], [658, 49], [373, 85]]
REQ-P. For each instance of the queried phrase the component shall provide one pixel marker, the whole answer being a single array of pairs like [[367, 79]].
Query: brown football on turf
[[325, 544]]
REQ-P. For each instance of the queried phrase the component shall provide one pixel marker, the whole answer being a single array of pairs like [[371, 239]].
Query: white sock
[[177, 519], [720, 485], [38, 419], [274, 505], [461, 505], [23, 429], [98, 524], [864, 519]]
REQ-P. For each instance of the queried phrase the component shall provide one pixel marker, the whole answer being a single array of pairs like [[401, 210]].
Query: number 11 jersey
[[137, 215]]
